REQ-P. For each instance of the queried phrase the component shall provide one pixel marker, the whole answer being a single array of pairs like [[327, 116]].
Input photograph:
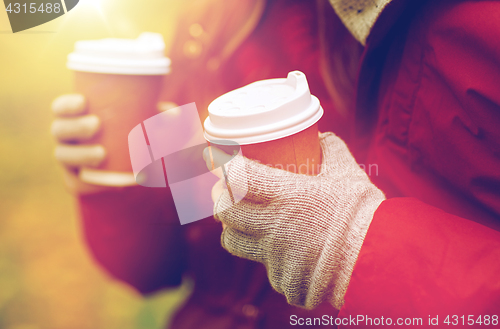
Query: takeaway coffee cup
[[121, 80], [274, 121]]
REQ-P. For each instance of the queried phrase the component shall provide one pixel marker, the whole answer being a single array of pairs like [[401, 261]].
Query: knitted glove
[[306, 230]]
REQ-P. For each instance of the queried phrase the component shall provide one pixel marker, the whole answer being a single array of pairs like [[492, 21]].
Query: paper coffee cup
[[274, 121], [121, 80]]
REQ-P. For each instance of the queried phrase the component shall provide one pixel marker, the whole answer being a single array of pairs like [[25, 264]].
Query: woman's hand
[[72, 127], [306, 230]]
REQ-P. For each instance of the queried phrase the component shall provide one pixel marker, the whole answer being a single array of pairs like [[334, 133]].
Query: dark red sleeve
[[135, 235], [418, 261]]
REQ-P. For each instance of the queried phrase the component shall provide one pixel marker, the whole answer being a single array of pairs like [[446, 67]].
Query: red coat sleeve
[[135, 235], [418, 261]]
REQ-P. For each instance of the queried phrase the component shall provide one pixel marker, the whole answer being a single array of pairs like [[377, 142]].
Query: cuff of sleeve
[[356, 233]]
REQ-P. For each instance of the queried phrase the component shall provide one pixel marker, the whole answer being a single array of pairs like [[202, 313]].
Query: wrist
[[355, 233]]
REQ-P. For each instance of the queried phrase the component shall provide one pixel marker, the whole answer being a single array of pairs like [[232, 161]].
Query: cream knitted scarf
[[359, 16]]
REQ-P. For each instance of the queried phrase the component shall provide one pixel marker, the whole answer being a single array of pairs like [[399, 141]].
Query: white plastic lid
[[141, 56], [263, 111]]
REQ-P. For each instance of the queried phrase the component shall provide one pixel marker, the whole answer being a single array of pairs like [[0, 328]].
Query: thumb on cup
[[215, 159]]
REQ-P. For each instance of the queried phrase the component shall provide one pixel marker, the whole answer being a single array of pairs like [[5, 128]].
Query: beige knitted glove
[[306, 230]]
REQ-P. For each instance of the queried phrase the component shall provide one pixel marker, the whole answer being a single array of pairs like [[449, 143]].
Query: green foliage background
[[47, 278]]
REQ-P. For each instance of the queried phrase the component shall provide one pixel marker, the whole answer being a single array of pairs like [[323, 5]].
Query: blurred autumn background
[[47, 278]]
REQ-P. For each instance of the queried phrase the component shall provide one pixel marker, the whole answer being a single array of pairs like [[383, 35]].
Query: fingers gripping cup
[[274, 121], [121, 80]]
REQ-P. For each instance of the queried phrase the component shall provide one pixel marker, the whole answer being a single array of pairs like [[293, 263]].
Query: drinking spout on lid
[[298, 81]]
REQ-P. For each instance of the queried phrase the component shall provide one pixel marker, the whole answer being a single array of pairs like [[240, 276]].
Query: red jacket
[[425, 118], [428, 116]]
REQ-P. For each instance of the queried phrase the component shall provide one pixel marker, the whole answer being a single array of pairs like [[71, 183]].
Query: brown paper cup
[[299, 153], [274, 121], [121, 80], [121, 102]]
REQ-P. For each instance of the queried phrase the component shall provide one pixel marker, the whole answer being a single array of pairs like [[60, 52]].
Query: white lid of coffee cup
[[263, 111], [141, 56]]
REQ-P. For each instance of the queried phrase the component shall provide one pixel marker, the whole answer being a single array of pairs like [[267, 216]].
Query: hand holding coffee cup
[[121, 80], [72, 128], [300, 227]]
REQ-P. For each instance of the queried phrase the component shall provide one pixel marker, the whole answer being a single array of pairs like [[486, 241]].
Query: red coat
[[428, 117], [425, 122]]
